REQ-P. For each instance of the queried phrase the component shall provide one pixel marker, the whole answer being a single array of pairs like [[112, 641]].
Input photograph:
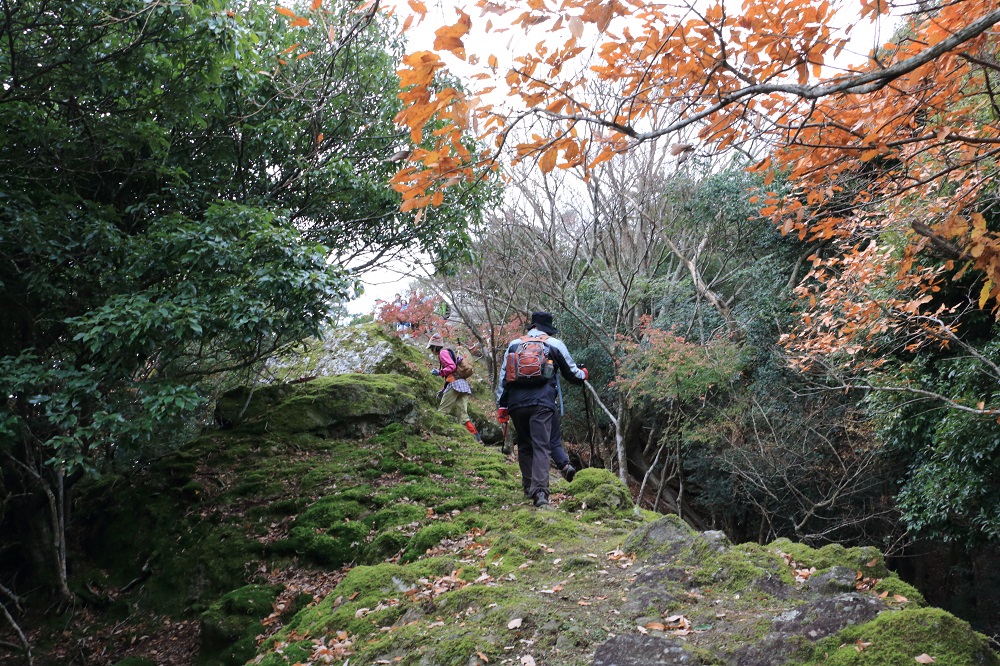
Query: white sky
[[383, 284]]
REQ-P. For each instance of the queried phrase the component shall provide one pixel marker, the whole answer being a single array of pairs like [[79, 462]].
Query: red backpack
[[529, 362]]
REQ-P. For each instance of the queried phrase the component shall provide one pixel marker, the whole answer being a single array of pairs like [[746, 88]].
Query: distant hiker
[[456, 392], [527, 395]]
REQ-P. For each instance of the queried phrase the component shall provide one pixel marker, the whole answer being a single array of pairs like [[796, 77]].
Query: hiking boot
[[540, 499], [568, 472]]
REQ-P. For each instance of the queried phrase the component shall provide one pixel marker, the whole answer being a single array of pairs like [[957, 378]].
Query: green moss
[[548, 525], [398, 514], [893, 586], [430, 536], [293, 653], [474, 599], [230, 625], [343, 403], [334, 547], [385, 545], [330, 511], [494, 471], [868, 560], [462, 502], [454, 651], [896, 638], [421, 490], [735, 569], [510, 543], [578, 563], [599, 494]]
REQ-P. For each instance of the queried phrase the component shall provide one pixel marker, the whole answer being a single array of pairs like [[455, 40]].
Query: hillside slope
[[342, 521]]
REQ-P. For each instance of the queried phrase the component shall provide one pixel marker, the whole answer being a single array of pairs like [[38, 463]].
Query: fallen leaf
[[643, 630], [655, 626], [900, 598], [872, 563], [515, 623], [483, 657], [583, 603], [861, 645], [527, 660], [924, 659]]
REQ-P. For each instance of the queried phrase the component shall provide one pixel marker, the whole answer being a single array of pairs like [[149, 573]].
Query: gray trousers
[[534, 432]]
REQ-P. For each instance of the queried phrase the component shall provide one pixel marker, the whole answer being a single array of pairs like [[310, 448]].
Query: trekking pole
[[586, 411]]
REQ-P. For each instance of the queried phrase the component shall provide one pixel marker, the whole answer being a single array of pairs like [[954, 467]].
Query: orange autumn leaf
[[449, 37], [547, 161]]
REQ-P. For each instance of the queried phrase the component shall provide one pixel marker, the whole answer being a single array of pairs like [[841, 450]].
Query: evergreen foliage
[[181, 189]]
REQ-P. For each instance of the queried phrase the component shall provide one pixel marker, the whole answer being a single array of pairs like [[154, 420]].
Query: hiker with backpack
[[456, 392], [528, 395]]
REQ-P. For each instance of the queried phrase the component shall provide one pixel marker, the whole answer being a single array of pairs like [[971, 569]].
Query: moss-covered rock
[[350, 405], [230, 625], [598, 494], [662, 539], [900, 637], [868, 560], [362, 349]]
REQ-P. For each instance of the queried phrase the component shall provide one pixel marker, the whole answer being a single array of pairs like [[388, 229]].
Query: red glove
[[586, 373], [502, 415]]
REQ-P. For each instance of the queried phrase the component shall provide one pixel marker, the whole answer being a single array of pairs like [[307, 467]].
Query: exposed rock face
[[744, 607], [639, 650], [349, 350]]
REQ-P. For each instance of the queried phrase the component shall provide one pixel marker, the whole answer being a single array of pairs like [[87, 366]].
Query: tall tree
[[181, 188]]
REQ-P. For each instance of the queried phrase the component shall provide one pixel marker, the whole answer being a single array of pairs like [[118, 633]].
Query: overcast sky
[[383, 284]]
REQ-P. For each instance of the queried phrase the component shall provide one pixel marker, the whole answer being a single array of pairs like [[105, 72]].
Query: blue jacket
[[513, 397]]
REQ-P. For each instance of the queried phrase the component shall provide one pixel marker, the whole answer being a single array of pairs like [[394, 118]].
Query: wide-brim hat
[[543, 322], [435, 341]]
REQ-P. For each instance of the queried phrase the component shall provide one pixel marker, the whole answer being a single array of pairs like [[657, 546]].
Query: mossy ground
[[901, 637], [431, 553]]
